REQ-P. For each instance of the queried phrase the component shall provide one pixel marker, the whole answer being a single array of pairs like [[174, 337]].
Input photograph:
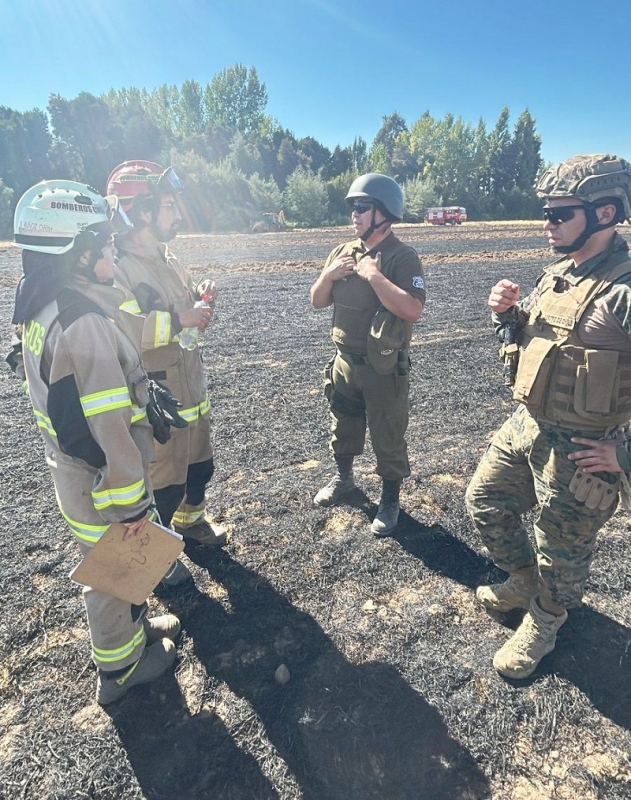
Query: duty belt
[[354, 358]]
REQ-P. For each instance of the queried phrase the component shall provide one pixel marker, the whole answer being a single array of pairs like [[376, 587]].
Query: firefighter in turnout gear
[[564, 451], [163, 296], [377, 289], [89, 394]]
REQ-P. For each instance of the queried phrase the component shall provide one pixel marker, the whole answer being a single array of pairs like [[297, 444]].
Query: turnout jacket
[[88, 392], [158, 288]]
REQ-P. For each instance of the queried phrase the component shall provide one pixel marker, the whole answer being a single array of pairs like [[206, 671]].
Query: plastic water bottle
[[189, 337]]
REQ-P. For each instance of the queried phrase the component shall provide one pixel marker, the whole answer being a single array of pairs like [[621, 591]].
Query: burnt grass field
[[392, 694]]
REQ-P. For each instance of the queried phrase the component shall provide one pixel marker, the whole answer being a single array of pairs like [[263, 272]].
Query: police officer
[[89, 395], [376, 286], [564, 449], [164, 295]]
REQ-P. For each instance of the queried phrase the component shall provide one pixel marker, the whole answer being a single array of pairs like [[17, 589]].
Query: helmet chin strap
[[591, 226], [373, 226]]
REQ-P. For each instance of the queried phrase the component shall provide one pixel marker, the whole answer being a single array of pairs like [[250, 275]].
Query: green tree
[[527, 150], [359, 155], [337, 188], [501, 155], [235, 97], [6, 211], [190, 110], [420, 194], [392, 126], [306, 198], [265, 194], [24, 145]]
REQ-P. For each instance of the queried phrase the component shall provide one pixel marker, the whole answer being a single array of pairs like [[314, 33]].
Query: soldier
[[564, 449], [165, 295], [90, 398], [377, 288]]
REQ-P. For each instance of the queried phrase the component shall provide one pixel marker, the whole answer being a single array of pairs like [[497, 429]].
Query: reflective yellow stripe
[[186, 518], [44, 422], [119, 653], [163, 329], [99, 402], [131, 307], [137, 413], [191, 414], [124, 496], [87, 533]]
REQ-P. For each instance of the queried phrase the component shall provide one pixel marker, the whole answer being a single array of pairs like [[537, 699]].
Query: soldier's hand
[[599, 457], [368, 266], [503, 296], [340, 268]]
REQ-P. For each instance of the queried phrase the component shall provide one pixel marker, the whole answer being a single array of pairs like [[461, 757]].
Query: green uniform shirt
[[355, 301]]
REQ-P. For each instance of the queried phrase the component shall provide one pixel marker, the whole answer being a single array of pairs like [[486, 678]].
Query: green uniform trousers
[[360, 397], [526, 467]]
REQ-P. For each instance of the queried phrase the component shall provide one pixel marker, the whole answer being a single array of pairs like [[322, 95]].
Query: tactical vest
[[355, 305], [559, 379]]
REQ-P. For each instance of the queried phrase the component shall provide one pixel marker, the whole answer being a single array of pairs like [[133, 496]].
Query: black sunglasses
[[361, 208], [560, 214]]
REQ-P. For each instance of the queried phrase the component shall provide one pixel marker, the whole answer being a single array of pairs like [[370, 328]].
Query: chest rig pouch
[[558, 378]]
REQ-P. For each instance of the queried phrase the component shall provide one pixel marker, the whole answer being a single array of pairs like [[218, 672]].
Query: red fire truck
[[446, 215]]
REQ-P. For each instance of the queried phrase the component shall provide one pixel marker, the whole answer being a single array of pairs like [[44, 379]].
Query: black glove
[[162, 412]]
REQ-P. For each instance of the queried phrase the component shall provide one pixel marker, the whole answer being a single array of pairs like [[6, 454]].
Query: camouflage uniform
[[526, 464]]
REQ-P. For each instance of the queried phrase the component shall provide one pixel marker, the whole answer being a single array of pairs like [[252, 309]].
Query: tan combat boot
[[535, 638], [516, 592], [339, 486]]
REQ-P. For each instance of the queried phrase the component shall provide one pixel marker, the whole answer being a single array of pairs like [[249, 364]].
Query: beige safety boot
[[387, 516], [334, 491], [154, 661], [516, 592], [535, 638], [166, 626], [204, 532]]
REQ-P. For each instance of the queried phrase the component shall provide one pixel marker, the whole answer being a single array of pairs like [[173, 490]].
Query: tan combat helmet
[[592, 178]]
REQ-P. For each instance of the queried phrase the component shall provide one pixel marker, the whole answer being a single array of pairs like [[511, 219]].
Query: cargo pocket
[[597, 385], [328, 379], [533, 373]]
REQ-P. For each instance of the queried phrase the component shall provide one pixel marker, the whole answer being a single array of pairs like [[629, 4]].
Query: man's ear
[[606, 213]]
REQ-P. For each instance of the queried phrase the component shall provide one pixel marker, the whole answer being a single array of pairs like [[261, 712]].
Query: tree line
[[238, 162]]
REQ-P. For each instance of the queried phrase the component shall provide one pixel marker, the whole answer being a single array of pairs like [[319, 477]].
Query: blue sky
[[333, 70]]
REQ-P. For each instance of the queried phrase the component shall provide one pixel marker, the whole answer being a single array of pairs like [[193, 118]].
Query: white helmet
[[50, 215]]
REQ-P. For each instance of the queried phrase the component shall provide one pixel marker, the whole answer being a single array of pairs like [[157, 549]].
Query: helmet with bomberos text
[[50, 216]]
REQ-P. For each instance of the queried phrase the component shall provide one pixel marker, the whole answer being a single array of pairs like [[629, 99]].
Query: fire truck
[[446, 215]]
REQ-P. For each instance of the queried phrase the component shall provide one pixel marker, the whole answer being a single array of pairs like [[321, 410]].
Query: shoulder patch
[[418, 282]]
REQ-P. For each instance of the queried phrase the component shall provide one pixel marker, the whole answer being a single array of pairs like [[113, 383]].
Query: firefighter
[[89, 395], [564, 451], [376, 286], [164, 295]]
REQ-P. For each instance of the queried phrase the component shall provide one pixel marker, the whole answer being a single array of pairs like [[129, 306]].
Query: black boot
[[387, 515]]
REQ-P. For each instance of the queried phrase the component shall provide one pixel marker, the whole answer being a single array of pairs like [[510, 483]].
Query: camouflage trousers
[[526, 467]]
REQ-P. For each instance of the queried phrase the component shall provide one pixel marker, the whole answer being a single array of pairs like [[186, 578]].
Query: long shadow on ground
[[593, 651], [176, 755], [346, 732]]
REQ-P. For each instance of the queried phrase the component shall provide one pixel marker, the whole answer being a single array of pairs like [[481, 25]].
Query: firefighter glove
[[162, 412]]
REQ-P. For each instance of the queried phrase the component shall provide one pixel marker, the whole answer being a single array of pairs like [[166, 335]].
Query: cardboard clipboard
[[129, 570]]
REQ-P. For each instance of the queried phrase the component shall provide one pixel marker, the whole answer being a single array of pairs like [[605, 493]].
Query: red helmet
[[132, 179]]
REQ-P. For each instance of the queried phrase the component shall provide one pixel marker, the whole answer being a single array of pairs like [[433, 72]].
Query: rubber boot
[[387, 515], [535, 638], [516, 592], [340, 485]]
